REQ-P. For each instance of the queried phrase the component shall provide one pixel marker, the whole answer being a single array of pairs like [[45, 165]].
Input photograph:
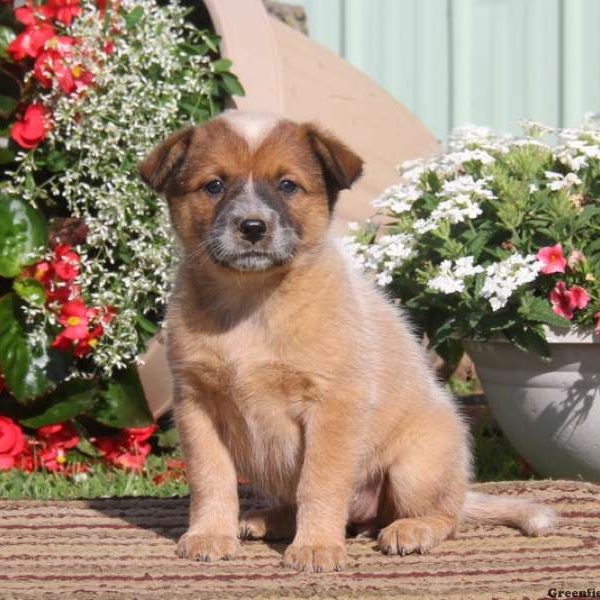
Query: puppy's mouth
[[253, 260], [249, 260]]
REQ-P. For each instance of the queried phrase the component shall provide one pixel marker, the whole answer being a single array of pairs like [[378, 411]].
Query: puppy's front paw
[[207, 548], [315, 559], [406, 536]]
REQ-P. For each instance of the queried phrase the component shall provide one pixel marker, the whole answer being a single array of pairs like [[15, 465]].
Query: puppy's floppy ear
[[164, 162], [341, 166]]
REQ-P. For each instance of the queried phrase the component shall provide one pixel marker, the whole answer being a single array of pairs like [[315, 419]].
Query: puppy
[[291, 368]]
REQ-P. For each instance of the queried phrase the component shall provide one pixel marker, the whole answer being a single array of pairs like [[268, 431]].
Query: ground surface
[[124, 548]]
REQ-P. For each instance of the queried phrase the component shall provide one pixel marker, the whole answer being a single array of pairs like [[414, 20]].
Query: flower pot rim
[[554, 335]]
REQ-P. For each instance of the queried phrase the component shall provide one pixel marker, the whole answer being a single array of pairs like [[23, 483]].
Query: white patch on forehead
[[253, 126]]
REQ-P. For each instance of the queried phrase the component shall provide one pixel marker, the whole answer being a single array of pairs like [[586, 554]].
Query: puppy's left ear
[[341, 166], [160, 167]]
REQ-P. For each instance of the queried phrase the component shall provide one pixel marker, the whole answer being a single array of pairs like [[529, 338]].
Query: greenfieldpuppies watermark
[[560, 593]]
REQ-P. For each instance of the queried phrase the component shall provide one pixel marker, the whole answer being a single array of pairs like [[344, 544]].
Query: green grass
[[98, 482], [495, 460]]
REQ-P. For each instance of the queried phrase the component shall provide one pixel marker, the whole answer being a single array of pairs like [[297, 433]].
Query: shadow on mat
[[167, 517]]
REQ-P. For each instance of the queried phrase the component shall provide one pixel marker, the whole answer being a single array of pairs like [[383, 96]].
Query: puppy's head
[[250, 191]]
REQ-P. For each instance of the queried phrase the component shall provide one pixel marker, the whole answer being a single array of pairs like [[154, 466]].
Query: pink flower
[[565, 300], [597, 317], [553, 259], [579, 296], [561, 301], [575, 258]]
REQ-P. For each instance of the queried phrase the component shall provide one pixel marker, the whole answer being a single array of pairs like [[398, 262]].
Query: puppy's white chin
[[251, 262]]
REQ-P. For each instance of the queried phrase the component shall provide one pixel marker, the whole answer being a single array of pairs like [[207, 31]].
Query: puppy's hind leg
[[424, 489], [277, 523]]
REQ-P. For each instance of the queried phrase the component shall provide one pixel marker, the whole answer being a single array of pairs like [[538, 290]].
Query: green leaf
[[68, 401], [123, 403], [23, 230], [87, 447], [56, 161], [7, 106], [29, 371], [211, 41], [530, 340], [146, 324], [451, 350], [31, 290], [7, 152], [132, 17], [7, 35], [221, 65], [232, 85], [168, 438], [540, 310]]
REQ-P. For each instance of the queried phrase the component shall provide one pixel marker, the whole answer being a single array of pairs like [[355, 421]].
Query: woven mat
[[123, 548]]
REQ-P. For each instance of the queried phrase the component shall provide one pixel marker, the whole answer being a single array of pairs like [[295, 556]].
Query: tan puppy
[[291, 368]]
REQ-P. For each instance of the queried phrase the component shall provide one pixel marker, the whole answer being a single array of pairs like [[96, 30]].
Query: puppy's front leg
[[212, 479], [324, 489]]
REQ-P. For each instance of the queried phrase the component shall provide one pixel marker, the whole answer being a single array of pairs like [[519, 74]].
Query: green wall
[[488, 62]]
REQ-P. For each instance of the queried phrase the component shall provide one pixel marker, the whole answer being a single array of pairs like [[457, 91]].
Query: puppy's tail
[[530, 517]]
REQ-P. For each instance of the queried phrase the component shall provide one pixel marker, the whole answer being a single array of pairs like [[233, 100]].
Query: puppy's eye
[[214, 187], [287, 186]]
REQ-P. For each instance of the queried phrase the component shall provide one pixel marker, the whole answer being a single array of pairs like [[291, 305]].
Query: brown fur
[[303, 377]]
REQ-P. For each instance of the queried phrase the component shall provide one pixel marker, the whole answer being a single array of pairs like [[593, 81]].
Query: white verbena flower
[[451, 275], [504, 277], [559, 181]]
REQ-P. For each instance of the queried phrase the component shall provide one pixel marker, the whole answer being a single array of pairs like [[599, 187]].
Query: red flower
[[597, 317], [31, 42], [33, 15], [66, 263], [59, 435], [53, 63], [53, 458], [130, 461], [29, 132], [137, 435], [561, 301], [85, 345], [12, 442], [65, 10], [126, 449], [565, 300], [553, 259], [73, 315]]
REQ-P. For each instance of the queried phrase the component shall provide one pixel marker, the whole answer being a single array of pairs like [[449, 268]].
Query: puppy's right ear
[[161, 166]]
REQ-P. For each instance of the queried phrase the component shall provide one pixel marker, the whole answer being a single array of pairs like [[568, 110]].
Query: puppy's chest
[[256, 396]]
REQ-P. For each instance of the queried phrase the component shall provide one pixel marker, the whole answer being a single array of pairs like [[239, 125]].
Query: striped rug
[[123, 548]]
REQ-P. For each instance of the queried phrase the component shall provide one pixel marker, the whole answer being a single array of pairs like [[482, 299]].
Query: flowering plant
[[88, 88], [59, 447], [499, 236]]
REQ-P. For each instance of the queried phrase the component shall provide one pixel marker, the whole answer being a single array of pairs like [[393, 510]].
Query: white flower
[[384, 278], [504, 277], [559, 181], [353, 226], [398, 198], [451, 276]]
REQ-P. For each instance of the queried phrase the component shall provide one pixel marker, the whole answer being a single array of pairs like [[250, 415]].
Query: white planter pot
[[550, 412]]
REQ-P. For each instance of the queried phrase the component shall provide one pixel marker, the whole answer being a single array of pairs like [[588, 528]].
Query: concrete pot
[[550, 412]]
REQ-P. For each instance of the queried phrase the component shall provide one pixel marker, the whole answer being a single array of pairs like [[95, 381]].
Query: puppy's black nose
[[253, 229]]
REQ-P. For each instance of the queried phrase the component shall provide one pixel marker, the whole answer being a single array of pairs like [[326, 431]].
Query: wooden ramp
[[123, 548]]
